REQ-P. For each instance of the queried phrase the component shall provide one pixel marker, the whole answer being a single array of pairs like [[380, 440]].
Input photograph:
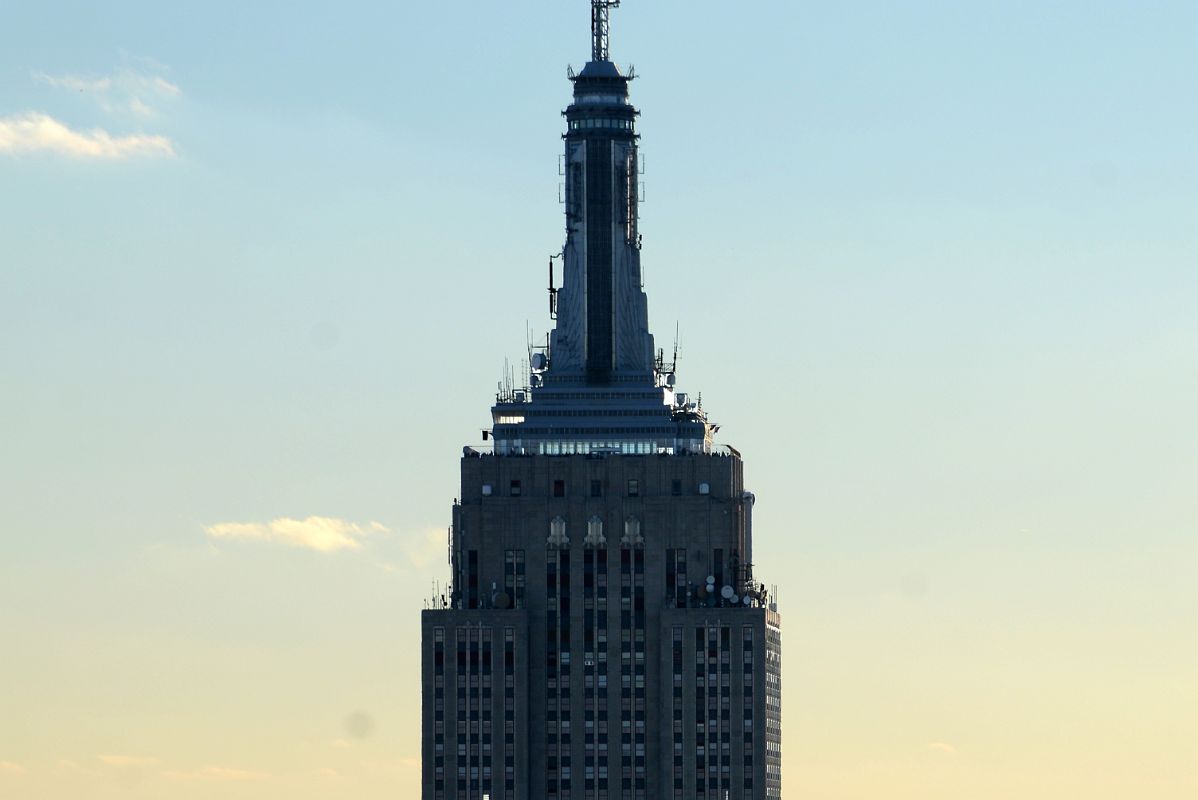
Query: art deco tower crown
[[600, 359]]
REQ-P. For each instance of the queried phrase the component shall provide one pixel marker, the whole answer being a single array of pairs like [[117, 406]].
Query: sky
[[935, 269]]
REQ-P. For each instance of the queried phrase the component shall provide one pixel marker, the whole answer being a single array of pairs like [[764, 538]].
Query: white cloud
[[943, 747], [317, 533], [74, 82], [125, 90], [9, 768], [139, 108], [128, 761], [217, 773], [33, 132]]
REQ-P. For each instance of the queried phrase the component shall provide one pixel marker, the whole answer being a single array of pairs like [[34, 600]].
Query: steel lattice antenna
[[601, 28]]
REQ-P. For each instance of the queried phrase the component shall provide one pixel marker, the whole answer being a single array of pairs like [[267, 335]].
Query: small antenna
[[601, 28], [677, 330], [552, 286]]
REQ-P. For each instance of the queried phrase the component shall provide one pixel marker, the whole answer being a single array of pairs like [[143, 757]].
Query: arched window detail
[[595, 537], [632, 533], [557, 534]]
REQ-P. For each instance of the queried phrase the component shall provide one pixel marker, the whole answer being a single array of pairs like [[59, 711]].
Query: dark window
[[515, 490], [559, 488], [676, 487], [634, 487], [596, 488], [472, 579]]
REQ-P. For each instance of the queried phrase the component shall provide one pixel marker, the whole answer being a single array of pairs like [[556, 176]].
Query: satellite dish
[[711, 580], [539, 361], [728, 592], [503, 600], [748, 600]]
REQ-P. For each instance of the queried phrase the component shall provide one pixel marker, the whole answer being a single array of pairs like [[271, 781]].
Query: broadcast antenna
[[601, 28]]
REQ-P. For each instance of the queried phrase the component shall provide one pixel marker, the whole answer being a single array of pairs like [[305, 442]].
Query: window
[[634, 487], [472, 579], [515, 488], [596, 488], [676, 487], [486, 490], [559, 488]]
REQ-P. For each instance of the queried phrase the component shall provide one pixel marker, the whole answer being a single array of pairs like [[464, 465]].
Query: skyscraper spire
[[599, 383], [601, 28]]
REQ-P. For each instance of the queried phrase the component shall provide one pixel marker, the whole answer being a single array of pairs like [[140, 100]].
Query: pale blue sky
[[935, 269]]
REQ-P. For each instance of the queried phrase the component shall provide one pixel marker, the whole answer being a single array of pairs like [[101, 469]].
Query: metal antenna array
[[601, 28]]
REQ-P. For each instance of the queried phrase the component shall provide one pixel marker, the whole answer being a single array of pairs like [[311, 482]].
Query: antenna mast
[[601, 28]]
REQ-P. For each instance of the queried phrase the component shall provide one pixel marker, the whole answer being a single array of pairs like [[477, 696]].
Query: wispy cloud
[[9, 768], [34, 132], [325, 534], [127, 89], [942, 747], [74, 82], [128, 761], [137, 88], [216, 774]]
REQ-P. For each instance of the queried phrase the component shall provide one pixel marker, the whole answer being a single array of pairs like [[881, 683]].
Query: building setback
[[603, 636]]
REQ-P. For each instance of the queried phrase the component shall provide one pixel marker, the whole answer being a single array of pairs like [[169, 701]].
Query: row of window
[[610, 124], [773, 713], [474, 751], [711, 762], [632, 635], [643, 448], [557, 643], [595, 669], [514, 577], [633, 488], [656, 411], [439, 714], [667, 446], [652, 394]]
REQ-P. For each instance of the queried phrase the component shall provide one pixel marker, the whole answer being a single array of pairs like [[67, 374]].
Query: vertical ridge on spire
[[601, 28]]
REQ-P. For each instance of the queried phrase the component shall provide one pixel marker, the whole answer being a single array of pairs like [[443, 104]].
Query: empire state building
[[603, 635]]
